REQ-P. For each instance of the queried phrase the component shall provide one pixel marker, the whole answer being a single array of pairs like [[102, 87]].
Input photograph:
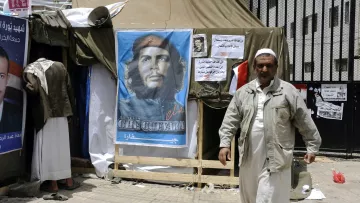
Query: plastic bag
[[338, 177]]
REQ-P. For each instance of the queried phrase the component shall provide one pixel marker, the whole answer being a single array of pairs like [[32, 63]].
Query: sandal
[[64, 186], [55, 196]]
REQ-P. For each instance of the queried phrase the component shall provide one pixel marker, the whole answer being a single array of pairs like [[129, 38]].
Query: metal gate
[[322, 36]]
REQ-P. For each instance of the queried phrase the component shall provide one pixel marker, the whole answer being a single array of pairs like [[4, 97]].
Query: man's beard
[[164, 93]]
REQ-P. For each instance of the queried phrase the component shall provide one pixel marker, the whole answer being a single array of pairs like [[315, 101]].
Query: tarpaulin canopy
[[179, 13], [227, 17]]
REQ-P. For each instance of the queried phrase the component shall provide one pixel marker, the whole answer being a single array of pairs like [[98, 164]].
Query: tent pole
[[116, 163], [200, 139]]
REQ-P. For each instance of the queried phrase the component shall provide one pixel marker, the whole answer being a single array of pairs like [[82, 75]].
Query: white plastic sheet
[[78, 17], [102, 119]]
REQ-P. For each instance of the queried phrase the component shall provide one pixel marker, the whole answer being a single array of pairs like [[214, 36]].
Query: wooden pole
[[200, 138], [116, 164]]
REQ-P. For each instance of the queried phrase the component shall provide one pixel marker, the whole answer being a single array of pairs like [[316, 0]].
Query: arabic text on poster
[[334, 92], [21, 8], [330, 111], [210, 69], [10, 32], [228, 46], [18, 4]]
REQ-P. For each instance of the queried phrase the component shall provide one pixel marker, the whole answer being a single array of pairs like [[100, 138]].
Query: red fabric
[[15, 69], [338, 177], [242, 74]]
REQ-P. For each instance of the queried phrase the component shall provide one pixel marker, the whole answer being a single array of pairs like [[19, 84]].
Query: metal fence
[[322, 36]]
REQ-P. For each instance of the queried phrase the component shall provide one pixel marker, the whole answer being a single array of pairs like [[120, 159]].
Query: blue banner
[[13, 56], [153, 69]]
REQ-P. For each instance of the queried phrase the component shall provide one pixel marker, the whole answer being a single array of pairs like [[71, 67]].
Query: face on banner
[[153, 66], [4, 71], [13, 46], [153, 81]]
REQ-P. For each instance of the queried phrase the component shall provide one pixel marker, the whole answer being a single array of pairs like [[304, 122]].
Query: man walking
[[267, 110]]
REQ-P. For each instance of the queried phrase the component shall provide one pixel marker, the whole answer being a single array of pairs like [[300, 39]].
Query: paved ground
[[97, 190]]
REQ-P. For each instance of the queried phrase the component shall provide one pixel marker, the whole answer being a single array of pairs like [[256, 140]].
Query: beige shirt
[[259, 118]]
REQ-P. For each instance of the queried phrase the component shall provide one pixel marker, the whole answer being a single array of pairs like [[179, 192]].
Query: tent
[[204, 16], [87, 48], [179, 14]]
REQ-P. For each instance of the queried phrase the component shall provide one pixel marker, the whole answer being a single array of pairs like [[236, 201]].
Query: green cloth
[[49, 28], [93, 45]]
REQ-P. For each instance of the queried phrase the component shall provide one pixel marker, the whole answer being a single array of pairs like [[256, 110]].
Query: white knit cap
[[265, 51]]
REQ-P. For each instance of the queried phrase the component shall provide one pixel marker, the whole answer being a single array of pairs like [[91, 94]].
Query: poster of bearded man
[[153, 69]]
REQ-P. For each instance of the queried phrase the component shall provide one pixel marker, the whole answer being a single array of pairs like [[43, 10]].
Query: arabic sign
[[19, 4], [13, 42], [330, 111], [19, 8], [228, 46], [209, 69], [334, 92], [153, 69], [11, 32]]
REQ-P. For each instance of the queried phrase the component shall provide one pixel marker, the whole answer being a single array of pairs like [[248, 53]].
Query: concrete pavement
[[98, 190]]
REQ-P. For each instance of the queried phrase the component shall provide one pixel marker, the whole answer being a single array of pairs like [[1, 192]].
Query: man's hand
[[223, 154], [309, 158]]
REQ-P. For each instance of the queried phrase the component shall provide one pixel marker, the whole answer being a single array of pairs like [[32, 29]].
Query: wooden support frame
[[198, 163]]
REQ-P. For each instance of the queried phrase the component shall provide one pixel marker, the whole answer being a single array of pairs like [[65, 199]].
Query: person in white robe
[[50, 98], [267, 110]]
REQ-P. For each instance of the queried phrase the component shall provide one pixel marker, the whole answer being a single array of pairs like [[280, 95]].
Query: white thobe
[[51, 155], [257, 185]]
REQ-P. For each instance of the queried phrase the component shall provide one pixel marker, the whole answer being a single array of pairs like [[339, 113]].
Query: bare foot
[[53, 185], [69, 182]]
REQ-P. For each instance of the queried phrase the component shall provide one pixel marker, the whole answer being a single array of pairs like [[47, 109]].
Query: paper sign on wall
[[228, 46], [334, 92], [330, 111], [210, 69], [20, 8]]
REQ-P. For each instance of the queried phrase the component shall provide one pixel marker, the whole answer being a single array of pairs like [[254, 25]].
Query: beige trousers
[[257, 185]]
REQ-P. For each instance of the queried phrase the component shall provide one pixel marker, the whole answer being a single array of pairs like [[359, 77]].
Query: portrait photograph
[[199, 45]]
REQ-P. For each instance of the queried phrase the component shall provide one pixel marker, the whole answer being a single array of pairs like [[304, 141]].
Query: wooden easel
[[189, 163]]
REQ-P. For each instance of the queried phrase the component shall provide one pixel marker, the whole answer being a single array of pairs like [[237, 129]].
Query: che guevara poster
[[153, 69]]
